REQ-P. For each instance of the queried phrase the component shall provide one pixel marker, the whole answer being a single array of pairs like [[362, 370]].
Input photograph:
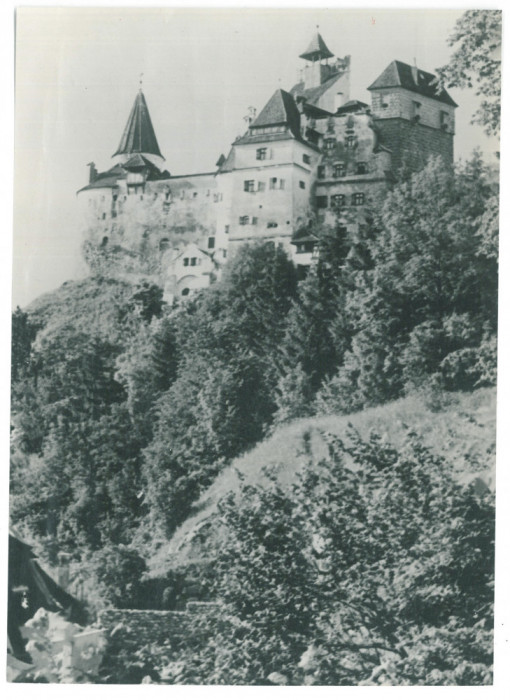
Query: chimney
[[92, 172], [414, 71]]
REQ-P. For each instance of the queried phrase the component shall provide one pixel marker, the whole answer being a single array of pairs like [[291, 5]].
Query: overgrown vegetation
[[126, 409]]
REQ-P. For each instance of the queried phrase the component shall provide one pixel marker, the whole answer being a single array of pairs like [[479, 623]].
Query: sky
[[78, 71]]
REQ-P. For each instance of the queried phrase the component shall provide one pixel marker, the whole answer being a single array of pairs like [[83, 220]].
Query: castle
[[312, 153]]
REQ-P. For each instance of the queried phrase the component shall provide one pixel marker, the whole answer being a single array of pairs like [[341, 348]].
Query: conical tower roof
[[317, 49], [281, 109], [139, 136]]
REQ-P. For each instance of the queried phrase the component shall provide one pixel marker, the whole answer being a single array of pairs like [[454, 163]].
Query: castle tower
[[139, 138], [315, 71], [414, 118], [324, 84]]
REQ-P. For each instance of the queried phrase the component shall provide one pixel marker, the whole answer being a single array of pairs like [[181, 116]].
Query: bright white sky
[[77, 73]]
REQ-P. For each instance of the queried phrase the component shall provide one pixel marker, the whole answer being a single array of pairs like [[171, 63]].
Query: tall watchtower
[[415, 119]]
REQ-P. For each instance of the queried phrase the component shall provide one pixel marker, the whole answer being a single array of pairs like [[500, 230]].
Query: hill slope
[[463, 432]]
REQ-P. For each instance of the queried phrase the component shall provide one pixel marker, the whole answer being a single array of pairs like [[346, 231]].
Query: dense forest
[[375, 565]]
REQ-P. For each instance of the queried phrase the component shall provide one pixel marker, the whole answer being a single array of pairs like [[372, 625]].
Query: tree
[[374, 567], [476, 62], [429, 298], [223, 396]]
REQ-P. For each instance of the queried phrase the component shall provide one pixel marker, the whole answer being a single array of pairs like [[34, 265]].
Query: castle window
[[321, 202], [185, 292], [261, 153], [116, 195], [350, 142], [262, 186], [195, 194], [443, 117], [339, 170], [249, 185], [358, 199], [416, 110], [306, 159], [211, 241], [329, 144], [321, 172], [305, 247], [254, 220], [186, 262], [164, 244], [104, 241], [302, 184], [227, 228], [361, 168], [282, 184], [272, 224], [244, 220], [104, 215], [273, 182], [193, 262], [338, 200]]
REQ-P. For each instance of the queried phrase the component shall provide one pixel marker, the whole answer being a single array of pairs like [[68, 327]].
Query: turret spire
[[317, 49], [139, 136]]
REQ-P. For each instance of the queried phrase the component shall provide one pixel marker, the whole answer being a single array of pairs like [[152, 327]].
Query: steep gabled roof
[[399, 74], [280, 110], [317, 49], [139, 136], [312, 95]]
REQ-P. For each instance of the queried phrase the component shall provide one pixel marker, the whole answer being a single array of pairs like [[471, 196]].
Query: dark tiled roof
[[106, 179], [316, 49], [136, 162], [303, 235], [228, 164], [139, 136], [399, 74], [312, 95], [281, 109], [111, 177], [352, 106]]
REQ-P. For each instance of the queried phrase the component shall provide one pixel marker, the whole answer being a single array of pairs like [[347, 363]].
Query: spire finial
[[141, 81]]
